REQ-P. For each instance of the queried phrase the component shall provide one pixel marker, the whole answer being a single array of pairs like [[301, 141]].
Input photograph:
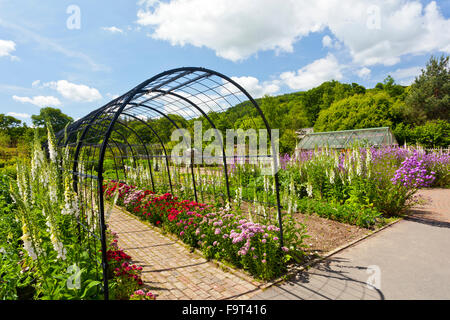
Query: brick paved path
[[436, 210], [170, 270]]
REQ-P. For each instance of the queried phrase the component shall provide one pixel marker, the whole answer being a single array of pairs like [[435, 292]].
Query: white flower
[[368, 162], [28, 244], [309, 189], [336, 159], [332, 176], [59, 248], [266, 183], [51, 146], [358, 167]]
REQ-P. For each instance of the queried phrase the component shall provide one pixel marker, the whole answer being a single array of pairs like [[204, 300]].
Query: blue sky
[[271, 47]]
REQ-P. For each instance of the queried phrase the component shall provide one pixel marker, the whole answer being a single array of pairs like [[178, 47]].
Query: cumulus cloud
[[74, 92], [327, 41], [388, 30], [6, 47], [19, 115], [363, 73], [406, 76], [112, 96], [375, 32], [40, 101], [235, 29], [112, 29], [255, 88], [313, 74]]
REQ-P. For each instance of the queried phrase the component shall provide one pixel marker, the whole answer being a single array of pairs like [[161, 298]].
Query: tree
[[432, 134], [288, 141], [11, 127], [8, 122], [371, 110], [429, 96], [321, 97], [57, 119], [390, 87]]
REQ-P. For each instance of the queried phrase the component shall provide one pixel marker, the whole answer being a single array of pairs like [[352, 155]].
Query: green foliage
[[432, 134], [288, 141], [347, 213], [40, 243], [429, 96], [55, 117], [371, 110], [394, 90]]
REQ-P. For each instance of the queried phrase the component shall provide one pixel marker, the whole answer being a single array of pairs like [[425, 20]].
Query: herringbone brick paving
[[170, 270]]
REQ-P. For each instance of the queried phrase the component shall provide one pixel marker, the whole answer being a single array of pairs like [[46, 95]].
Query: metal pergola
[[105, 135]]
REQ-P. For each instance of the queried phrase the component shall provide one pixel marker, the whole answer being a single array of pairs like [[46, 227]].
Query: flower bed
[[219, 234], [45, 253], [370, 180]]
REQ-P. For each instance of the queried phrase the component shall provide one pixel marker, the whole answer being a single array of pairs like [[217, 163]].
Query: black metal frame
[[189, 92]]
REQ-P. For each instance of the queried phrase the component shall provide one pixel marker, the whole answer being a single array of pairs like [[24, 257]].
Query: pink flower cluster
[[142, 295], [248, 231]]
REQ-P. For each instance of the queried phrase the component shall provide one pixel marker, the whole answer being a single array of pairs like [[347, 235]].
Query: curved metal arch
[[176, 126], [208, 72], [224, 159], [156, 85], [145, 148], [162, 145]]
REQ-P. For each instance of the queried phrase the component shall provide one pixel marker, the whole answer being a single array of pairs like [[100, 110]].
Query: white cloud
[[235, 29], [313, 74], [363, 73], [74, 92], [113, 29], [40, 101], [112, 96], [255, 88], [36, 83], [380, 32], [406, 72], [19, 115], [375, 32], [327, 41], [6, 47], [406, 76]]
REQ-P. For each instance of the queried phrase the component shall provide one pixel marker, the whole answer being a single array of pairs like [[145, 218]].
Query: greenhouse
[[382, 136]]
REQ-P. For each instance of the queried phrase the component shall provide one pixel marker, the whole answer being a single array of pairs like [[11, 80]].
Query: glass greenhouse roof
[[344, 139]]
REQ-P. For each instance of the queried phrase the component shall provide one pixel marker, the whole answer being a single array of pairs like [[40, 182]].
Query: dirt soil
[[327, 235]]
